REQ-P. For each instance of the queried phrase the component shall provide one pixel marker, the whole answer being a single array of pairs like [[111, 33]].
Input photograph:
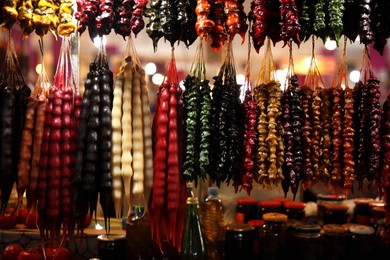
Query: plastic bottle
[[213, 224], [193, 246]]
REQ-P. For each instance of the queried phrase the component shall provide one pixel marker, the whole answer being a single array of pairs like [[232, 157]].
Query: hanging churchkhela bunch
[[100, 17], [13, 96], [57, 159], [245, 179], [312, 121], [385, 171], [93, 174], [132, 155], [197, 114], [167, 203], [40, 16], [175, 21], [368, 123], [226, 124], [268, 95], [219, 21], [292, 123], [30, 147], [343, 171]]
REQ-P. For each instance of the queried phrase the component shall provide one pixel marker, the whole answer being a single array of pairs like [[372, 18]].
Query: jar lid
[[269, 204], [363, 201], [247, 201], [239, 227], [307, 228], [256, 222], [361, 229], [293, 205], [281, 199], [335, 229], [336, 207], [379, 209], [331, 197], [110, 238], [374, 204], [275, 217]]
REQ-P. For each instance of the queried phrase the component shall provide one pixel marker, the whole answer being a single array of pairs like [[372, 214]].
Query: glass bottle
[[213, 224], [193, 246], [273, 236]]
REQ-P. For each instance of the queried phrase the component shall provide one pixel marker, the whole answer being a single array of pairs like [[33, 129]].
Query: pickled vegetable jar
[[335, 241], [273, 236], [324, 199], [335, 213], [239, 241], [294, 210], [383, 240], [305, 242], [268, 206], [361, 243], [246, 210], [361, 212]]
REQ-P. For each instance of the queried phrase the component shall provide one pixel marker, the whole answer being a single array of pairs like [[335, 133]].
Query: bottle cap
[[270, 204], [293, 205], [213, 191], [247, 201], [334, 229], [361, 229], [275, 217]]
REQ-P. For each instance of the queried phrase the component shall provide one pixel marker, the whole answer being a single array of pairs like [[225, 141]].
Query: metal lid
[[275, 217], [361, 229], [375, 203], [239, 227], [363, 201], [269, 204], [335, 229], [281, 200], [331, 197], [293, 205], [247, 201], [336, 207], [305, 228], [110, 238], [256, 222]]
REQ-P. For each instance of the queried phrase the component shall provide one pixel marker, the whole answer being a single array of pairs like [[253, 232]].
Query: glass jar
[[306, 242], [246, 210], [111, 247], [257, 224], [335, 213], [324, 199], [377, 212], [294, 210], [361, 212], [361, 243], [239, 239], [268, 206], [273, 236], [335, 241], [383, 240], [281, 199]]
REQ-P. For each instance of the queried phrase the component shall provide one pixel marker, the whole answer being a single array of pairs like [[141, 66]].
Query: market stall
[[138, 107]]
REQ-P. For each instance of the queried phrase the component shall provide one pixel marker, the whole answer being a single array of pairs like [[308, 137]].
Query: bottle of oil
[[213, 224]]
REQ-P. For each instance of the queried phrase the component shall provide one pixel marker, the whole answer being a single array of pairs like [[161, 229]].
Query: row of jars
[[275, 239]]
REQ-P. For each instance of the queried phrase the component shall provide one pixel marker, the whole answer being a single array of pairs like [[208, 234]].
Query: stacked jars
[[246, 210]]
